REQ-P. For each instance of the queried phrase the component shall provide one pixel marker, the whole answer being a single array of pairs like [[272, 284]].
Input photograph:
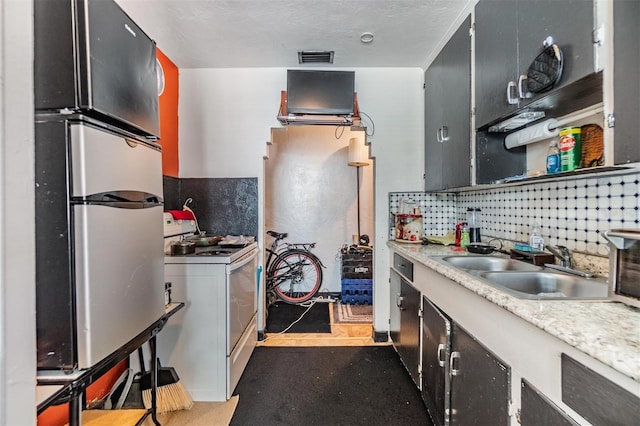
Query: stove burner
[[213, 253]]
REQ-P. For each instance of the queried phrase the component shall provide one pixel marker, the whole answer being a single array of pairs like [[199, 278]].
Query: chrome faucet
[[566, 262], [563, 254]]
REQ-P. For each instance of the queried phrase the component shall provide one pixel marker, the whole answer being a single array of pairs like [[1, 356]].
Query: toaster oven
[[624, 265]]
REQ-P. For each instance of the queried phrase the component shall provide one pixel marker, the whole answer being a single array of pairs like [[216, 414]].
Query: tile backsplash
[[570, 212]]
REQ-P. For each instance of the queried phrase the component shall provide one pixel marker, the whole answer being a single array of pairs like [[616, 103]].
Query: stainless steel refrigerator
[[99, 240], [99, 202]]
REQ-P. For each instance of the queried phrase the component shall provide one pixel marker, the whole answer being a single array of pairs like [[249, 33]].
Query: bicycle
[[294, 274]]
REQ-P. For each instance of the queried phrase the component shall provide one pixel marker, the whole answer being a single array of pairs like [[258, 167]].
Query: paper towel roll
[[544, 130]]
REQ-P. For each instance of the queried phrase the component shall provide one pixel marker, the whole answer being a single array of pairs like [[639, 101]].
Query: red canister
[[459, 227]]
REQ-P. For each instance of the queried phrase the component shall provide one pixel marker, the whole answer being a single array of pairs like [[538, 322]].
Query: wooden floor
[[341, 335]]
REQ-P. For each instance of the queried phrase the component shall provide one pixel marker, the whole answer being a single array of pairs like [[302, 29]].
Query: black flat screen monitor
[[320, 92]]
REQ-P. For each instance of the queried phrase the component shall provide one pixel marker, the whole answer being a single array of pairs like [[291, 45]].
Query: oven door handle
[[243, 260]]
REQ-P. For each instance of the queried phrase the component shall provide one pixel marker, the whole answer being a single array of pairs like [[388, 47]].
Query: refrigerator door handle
[[441, 362], [452, 364], [122, 199]]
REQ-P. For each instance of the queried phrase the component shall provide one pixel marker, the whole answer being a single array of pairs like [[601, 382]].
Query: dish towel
[[182, 214]]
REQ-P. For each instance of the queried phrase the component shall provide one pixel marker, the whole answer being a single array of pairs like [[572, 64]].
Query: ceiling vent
[[315, 57]]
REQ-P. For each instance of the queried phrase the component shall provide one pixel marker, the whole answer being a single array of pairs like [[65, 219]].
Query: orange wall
[[169, 116], [58, 415]]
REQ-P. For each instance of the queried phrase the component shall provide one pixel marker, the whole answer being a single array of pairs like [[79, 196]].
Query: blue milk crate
[[357, 291]]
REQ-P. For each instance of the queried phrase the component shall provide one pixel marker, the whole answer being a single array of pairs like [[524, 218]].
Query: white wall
[[17, 264], [311, 193], [225, 121]]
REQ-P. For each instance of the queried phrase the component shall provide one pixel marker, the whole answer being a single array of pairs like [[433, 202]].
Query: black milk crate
[[357, 291], [357, 265]]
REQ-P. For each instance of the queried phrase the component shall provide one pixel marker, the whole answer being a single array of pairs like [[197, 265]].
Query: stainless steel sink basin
[[547, 285], [489, 263]]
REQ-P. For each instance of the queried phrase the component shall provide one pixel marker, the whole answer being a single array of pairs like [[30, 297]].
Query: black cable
[[373, 126]]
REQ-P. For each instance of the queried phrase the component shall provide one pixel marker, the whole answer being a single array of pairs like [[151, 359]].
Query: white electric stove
[[210, 341], [229, 250]]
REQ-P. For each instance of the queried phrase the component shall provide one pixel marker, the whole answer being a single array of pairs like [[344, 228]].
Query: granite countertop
[[607, 331]]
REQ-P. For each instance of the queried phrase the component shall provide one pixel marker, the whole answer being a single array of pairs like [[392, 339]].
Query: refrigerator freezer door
[[103, 161], [119, 276], [91, 57]]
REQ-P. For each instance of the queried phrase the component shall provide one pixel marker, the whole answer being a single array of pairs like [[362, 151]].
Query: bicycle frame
[[284, 269], [292, 270], [277, 248]]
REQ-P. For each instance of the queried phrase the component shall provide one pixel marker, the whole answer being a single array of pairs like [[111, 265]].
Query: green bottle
[[465, 240]]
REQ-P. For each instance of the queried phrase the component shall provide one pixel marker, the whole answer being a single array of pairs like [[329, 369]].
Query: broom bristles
[[170, 397]]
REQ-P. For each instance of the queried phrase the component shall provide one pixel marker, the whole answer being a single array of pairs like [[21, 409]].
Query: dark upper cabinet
[[448, 113], [508, 37], [626, 81], [434, 148], [496, 58], [569, 22]]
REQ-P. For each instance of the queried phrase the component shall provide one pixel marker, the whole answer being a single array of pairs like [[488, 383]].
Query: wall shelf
[[316, 119], [576, 174]]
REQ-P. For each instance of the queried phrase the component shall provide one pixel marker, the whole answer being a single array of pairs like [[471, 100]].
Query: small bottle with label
[[535, 238], [553, 158], [465, 239]]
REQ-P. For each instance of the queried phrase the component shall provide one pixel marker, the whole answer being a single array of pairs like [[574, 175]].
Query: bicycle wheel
[[296, 275]]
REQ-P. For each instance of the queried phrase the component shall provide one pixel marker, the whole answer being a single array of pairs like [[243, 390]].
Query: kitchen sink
[[547, 285], [489, 263]]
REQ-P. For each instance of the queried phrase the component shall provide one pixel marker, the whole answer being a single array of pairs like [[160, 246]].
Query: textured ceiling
[[269, 33]]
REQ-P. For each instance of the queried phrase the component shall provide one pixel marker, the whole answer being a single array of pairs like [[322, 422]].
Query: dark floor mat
[[327, 386], [282, 315]]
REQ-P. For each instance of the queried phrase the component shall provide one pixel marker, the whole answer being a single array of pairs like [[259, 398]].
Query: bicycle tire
[[296, 275]]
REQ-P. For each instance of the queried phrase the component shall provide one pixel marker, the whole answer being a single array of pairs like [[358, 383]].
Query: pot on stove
[[182, 247], [204, 240]]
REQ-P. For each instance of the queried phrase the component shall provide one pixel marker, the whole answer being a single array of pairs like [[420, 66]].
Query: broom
[[170, 395]]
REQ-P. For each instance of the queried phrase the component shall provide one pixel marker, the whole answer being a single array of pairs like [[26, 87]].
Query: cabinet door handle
[[453, 371], [399, 300], [440, 360], [445, 134], [512, 93], [439, 135], [523, 90]]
